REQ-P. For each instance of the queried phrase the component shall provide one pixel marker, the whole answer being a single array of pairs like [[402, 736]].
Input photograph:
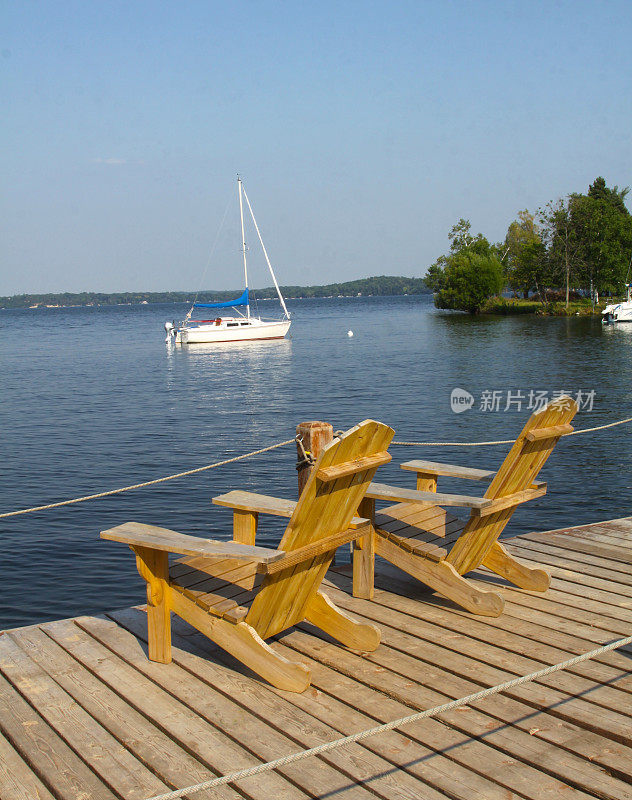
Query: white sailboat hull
[[232, 330]]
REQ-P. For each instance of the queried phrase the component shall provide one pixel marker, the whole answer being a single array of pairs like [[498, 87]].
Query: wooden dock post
[[314, 436]]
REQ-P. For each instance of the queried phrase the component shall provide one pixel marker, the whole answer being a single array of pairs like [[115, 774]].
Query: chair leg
[[244, 643], [498, 560], [153, 566], [322, 613], [364, 566], [443, 578]]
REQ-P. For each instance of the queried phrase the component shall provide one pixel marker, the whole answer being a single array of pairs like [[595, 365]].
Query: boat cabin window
[[232, 324]]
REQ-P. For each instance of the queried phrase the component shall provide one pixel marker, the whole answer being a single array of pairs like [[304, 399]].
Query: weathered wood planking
[[84, 714]]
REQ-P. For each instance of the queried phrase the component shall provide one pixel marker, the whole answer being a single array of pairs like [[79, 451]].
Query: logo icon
[[461, 400]]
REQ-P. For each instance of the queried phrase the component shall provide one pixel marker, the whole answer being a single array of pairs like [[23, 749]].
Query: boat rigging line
[[265, 253], [210, 256]]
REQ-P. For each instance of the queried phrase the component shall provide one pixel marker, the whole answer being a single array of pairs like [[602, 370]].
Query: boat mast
[[243, 240], [265, 253]]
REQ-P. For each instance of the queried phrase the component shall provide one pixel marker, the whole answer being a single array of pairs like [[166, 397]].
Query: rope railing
[[196, 470], [389, 726], [509, 441], [146, 483]]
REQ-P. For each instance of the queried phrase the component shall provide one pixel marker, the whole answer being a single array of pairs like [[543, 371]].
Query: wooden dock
[[85, 716]]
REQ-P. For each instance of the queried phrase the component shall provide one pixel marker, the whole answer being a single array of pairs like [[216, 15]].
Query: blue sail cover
[[240, 301]]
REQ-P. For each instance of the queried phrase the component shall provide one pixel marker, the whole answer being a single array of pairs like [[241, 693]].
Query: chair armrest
[[380, 491], [448, 470], [135, 534], [257, 503], [309, 551], [265, 504], [537, 489]]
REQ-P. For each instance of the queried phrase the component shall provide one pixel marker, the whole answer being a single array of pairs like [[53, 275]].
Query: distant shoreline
[[381, 285]]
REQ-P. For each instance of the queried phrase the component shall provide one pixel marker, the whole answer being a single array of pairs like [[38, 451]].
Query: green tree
[[604, 231], [435, 274], [470, 279], [523, 253], [614, 197], [589, 239], [563, 247], [469, 275]]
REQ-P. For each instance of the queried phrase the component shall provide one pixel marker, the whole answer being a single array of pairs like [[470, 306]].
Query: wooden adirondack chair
[[419, 536], [239, 594]]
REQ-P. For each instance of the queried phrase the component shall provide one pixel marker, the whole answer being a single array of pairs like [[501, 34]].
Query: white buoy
[[349, 333]]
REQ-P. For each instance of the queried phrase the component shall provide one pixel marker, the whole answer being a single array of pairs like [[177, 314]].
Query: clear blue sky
[[363, 131]]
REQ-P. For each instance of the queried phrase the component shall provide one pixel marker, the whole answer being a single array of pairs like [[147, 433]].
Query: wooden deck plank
[[567, 589], [114, 764], [433, 608], [262, 739], [571, 573], [410, 654], [227, 675], [483, 756], [457, 758], [615, 572], [601, 535], [166, 704], [516, 636], [574, 620], [602, 604], [589, 612], [17, 781], [618, 532], [623, 524], [515, 741], [341, 710], [582, 545], [493, 655], [171, 762], [46, 753], [84, 714]]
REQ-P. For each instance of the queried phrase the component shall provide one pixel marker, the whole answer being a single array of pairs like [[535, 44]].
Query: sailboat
[[244, 326]]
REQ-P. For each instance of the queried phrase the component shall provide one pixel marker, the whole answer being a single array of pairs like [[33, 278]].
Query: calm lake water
[[93, 399]]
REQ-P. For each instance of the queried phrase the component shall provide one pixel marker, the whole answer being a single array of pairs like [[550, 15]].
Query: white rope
[[265, 450], [146, 483], [509, 441], [389, 726]]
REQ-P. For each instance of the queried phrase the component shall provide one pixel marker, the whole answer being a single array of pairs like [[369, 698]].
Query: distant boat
[[619, 312], [243, 327]]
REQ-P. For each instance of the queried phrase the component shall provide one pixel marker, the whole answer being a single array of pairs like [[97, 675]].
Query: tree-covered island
[[560, 260]]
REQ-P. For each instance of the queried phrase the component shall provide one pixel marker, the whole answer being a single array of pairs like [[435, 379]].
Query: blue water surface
[[93, 399]]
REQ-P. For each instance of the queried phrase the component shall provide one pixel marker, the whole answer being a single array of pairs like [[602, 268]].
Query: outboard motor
[[170, 330]]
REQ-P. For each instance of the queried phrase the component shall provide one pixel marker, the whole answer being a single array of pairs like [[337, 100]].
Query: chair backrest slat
[[520, 468], [528, 455], [324, 508]]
